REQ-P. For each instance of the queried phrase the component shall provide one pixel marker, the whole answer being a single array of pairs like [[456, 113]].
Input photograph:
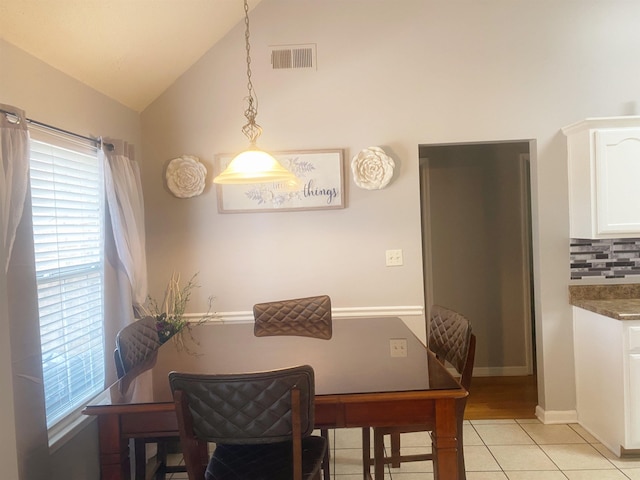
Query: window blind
[[68, 222]]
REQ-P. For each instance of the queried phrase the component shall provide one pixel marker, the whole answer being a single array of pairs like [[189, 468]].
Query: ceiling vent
[[293, 57]]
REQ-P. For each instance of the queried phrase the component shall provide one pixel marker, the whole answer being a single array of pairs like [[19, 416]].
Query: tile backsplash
[[605, 258]]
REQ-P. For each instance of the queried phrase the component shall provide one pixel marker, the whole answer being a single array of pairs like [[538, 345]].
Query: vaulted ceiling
[[129, 50]]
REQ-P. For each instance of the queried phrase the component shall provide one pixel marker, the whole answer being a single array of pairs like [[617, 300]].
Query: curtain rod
[[96, 141]]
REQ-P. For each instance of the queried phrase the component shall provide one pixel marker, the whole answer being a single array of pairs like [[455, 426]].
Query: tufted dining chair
[[134, 344], [261, 424], [452, 341], [303, 317]]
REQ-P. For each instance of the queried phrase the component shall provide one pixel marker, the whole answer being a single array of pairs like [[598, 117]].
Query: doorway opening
[[476, 241]]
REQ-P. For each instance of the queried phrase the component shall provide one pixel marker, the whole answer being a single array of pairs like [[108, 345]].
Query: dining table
[[371, 372]]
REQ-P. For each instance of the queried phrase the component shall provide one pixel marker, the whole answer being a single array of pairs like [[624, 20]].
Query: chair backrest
[[451, 339], [245, 408], [134, 343], [305, 317]]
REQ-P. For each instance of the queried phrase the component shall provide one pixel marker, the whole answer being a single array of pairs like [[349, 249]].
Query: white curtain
[[126, 208], [16, 232], [14, 174]]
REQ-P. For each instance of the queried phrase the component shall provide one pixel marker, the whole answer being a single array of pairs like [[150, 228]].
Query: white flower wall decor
[[372, 168], [186, 176]]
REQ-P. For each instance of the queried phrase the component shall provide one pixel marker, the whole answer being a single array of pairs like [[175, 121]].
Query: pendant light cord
[[251, 130]]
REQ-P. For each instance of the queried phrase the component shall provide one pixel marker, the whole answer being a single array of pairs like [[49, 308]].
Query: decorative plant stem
[[169, 315]]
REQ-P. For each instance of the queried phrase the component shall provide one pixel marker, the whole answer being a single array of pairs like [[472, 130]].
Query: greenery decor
[[170, 314]]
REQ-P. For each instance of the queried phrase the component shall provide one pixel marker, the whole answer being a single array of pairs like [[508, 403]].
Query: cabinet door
[[617, 180], [633, 402]]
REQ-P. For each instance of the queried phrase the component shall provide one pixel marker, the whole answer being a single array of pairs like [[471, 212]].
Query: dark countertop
[[621, 302]]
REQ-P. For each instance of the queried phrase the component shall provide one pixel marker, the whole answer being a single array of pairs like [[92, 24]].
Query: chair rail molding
[[345, 312]]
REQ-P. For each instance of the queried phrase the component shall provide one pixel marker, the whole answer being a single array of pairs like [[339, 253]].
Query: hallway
[[502, 397]]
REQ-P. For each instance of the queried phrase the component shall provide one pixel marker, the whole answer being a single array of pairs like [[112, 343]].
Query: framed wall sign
[[320, 186]]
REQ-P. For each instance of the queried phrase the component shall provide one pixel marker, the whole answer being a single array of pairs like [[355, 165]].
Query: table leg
[[378, 453], [114, 450], [445, 441], [366, 453]]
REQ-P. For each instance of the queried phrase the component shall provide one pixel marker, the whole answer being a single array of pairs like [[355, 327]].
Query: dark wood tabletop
[[358, 383]]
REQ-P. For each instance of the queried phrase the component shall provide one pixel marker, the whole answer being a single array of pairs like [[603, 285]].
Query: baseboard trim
[[514, 371], [556, 416]]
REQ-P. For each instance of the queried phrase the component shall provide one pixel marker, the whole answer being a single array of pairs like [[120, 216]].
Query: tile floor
[[498, 450]]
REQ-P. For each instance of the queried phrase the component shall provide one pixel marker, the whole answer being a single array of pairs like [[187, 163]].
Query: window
[[68, 223]]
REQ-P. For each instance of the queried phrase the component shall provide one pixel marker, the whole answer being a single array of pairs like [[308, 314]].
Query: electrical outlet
[[398, 347], [393, 258]]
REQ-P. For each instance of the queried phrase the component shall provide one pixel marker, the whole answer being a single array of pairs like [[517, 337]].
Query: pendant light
[[253, 165]]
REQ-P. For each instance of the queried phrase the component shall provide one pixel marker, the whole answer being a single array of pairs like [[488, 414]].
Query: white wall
[[393, 74]]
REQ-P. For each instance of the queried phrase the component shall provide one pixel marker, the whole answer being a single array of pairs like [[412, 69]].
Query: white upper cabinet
[[604, 177]]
